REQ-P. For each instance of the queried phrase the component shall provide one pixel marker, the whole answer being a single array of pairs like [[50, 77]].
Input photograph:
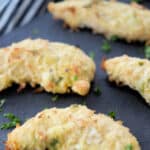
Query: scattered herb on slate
[[2, 102], [112, 114], [92, 55], [13, 121], [147, 52], [106, 46], [137, 1], [128, 147], [97, 91], [55, 98], [114, 38]]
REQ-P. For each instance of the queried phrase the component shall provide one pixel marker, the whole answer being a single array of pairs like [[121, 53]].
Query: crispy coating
[[72, 128], [127, 21], [131, 71], [56, 67]]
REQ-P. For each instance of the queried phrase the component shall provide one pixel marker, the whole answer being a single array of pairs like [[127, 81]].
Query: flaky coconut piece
[[56, 67], [128, 21], [131, 71], [72, 128]]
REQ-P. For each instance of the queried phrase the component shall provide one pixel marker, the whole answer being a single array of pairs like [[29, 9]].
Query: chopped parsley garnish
[[2, 102], [75, 78], [114, 38], [147, 52], [92, 55], [128, 147], [137, 1], [13, 121], [97, 91], [55, 98], [106, 46], [53, 144], [112, 114]]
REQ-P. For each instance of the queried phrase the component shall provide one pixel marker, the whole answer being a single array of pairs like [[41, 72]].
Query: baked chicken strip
[[131, 71], [56, 67], [128, 21], [72, 128]]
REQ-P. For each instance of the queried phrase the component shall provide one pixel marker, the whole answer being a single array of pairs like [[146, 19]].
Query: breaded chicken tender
[[131, 71], [72, 128], [56, 67], [127, 21]]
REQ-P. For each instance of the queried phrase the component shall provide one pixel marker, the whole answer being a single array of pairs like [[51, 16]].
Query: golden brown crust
[[106, 17], [130, 71], [56, 67], [75, 127]]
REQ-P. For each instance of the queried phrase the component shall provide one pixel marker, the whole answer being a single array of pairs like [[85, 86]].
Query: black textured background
[[128, 104]]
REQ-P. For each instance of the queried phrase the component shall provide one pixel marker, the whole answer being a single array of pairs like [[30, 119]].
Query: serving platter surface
[[128, 105]]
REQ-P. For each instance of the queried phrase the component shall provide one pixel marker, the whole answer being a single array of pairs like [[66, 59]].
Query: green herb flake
[[92, 55], [8, 125], [53, 144], [137, 1], [128, 147], [147, 52], [106, 46], [55, 98], [97, 91], [13, 121], [112, 114], [9, 116], [75, 78], [2, 102], [114, 38]]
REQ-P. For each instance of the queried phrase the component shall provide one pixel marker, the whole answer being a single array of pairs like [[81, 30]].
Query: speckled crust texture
[[72, 128], [131, 71], [127, 21], [56, 67]]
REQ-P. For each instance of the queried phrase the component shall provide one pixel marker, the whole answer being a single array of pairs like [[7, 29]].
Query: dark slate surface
[[128, 104]]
